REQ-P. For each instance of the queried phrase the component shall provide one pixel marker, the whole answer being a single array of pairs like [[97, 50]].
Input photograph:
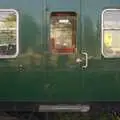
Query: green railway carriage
[[59, 51]]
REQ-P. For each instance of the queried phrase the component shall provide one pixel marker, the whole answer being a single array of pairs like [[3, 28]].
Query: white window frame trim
[[17, 34], [102, 33]]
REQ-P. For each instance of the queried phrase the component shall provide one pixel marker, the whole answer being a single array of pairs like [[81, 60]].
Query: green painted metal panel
[[55, 78], [23, 78], [101, 78], [36, 74]]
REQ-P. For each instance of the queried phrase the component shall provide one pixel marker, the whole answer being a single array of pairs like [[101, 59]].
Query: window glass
[[9, 26], [63, 32], [111, 33]]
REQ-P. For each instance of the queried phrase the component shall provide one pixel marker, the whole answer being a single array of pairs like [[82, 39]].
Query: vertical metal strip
[[41, 41], [45, 24]]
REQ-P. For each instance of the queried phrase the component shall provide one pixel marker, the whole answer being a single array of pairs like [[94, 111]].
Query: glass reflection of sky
[[112, 15], [111, 19], [3, 15]]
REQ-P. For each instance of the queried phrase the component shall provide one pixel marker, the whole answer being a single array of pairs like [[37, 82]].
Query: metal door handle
[[86, 60]]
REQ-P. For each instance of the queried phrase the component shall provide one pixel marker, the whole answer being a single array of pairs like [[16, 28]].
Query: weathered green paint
[[48, 77]]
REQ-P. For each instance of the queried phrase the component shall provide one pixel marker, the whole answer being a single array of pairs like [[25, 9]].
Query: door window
[[63, 32]]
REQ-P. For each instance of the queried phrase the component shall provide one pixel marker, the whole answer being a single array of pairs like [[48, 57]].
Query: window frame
[[102, 32], [17, 34], [49, 36]]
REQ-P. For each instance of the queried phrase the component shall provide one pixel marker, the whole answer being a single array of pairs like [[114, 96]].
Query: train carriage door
[[63, 32], [64, 46]]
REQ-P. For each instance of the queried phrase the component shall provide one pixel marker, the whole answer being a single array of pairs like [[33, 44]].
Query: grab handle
[[86, 60]]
